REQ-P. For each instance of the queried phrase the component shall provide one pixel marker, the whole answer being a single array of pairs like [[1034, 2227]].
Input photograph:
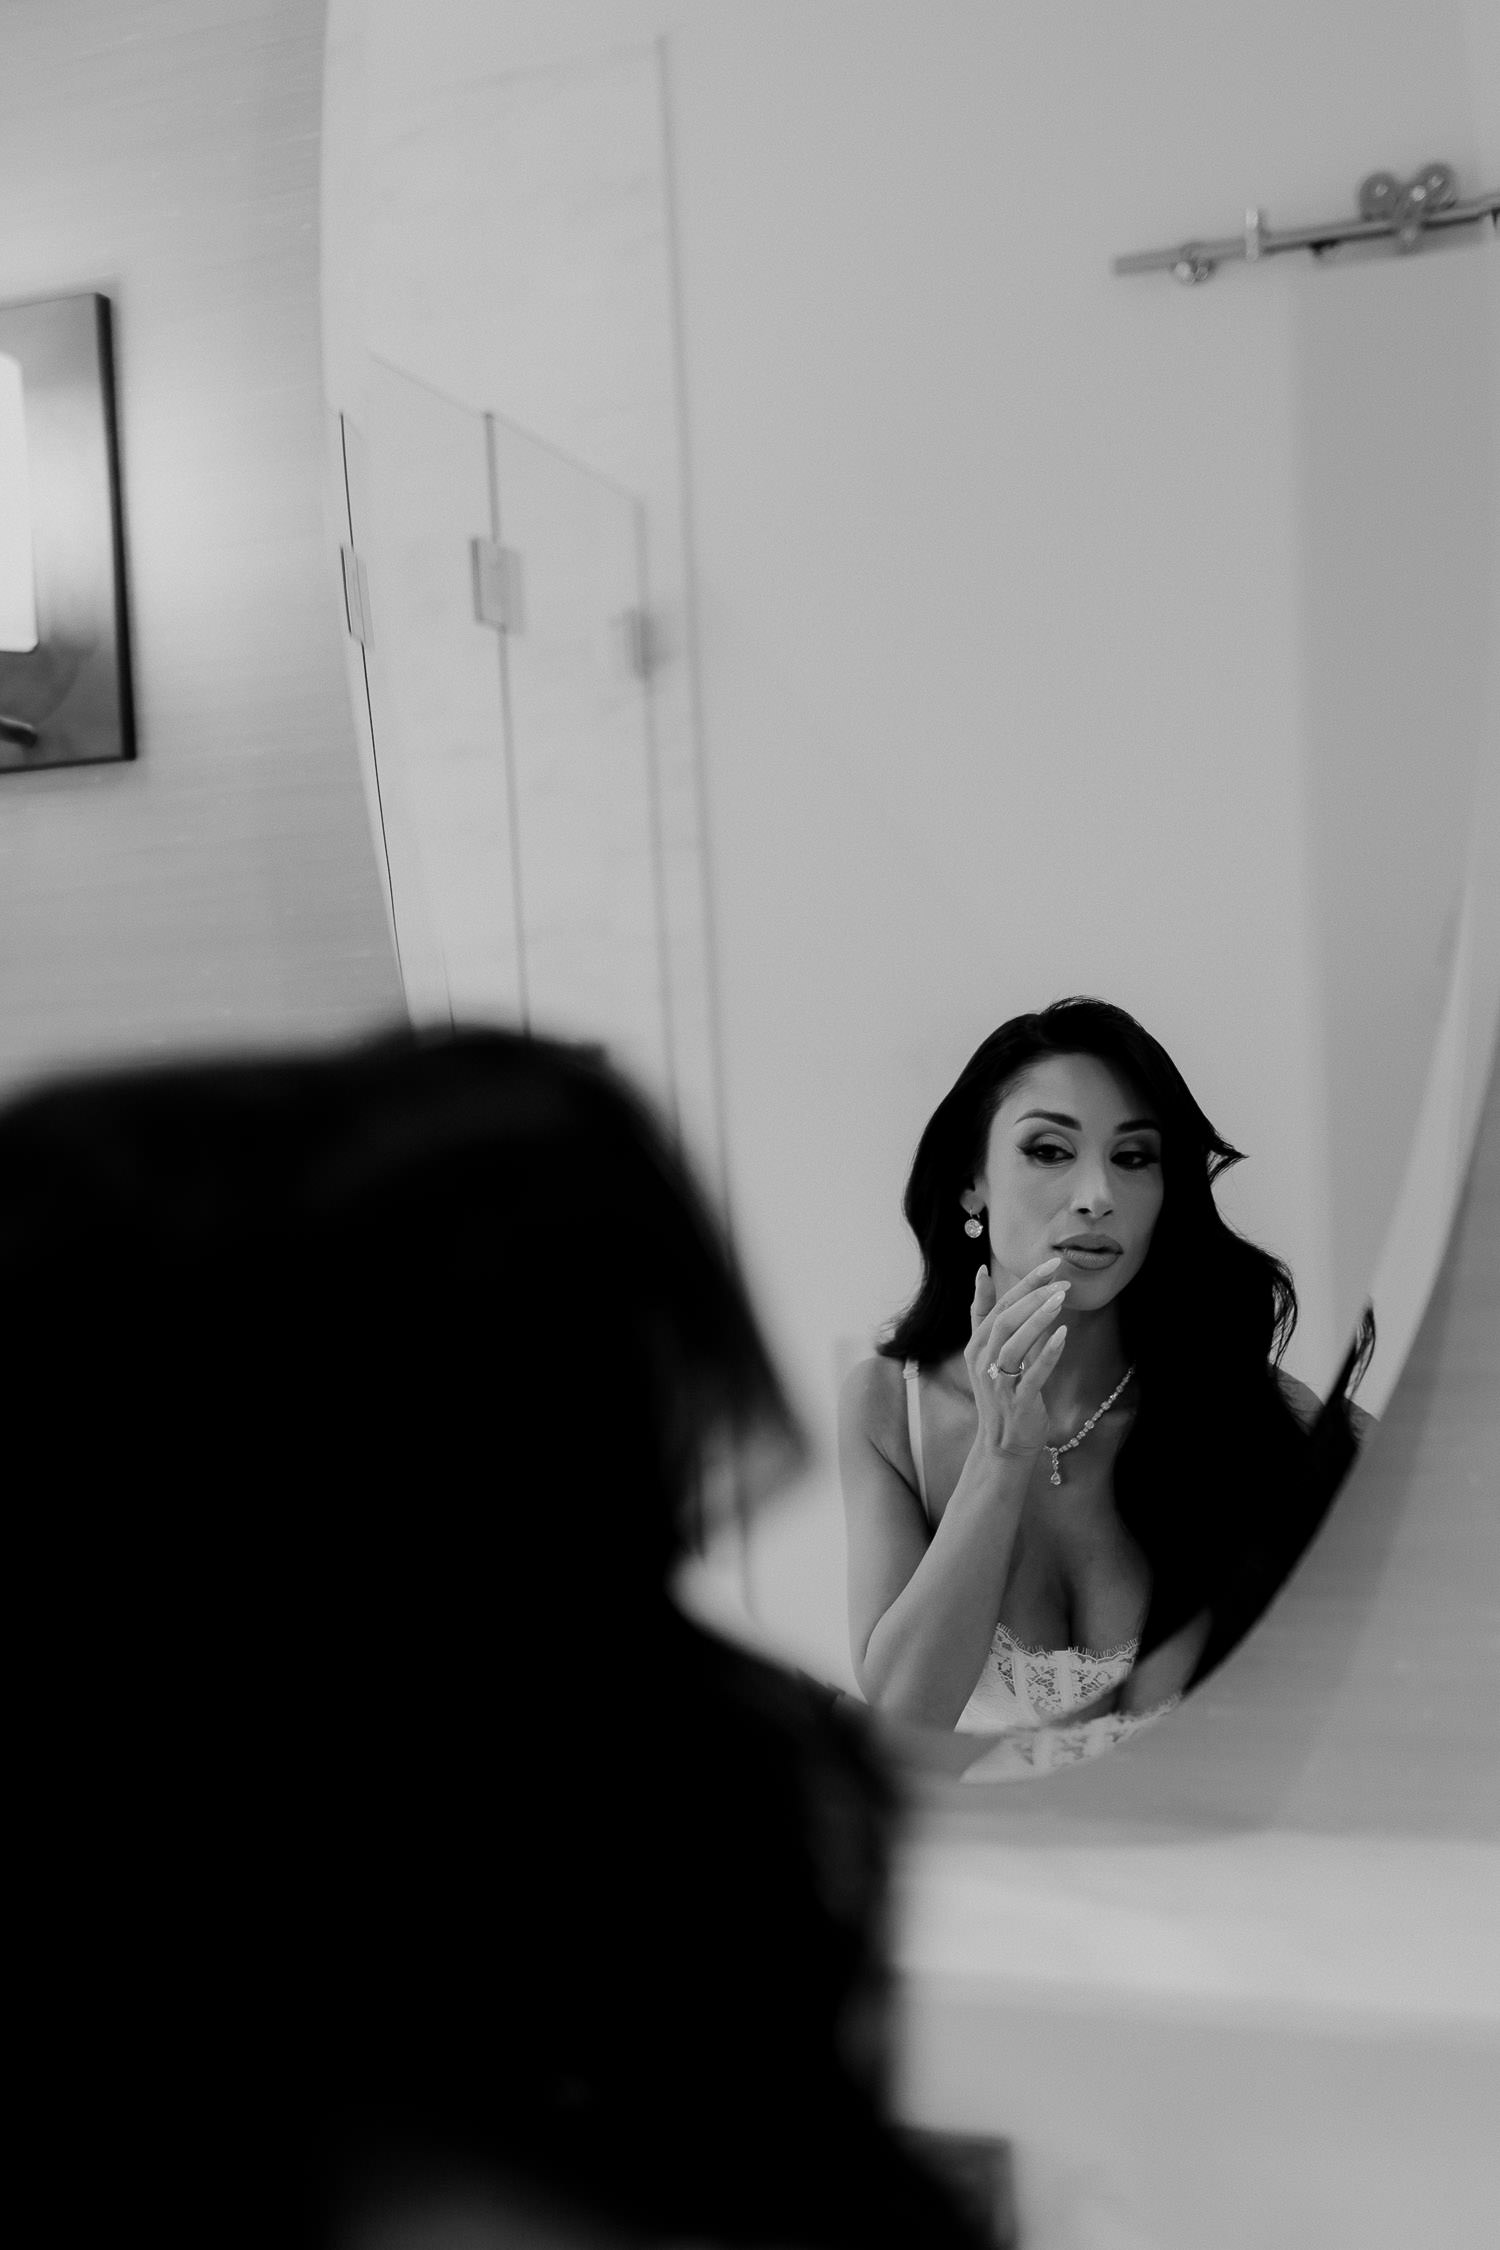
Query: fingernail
[[1049, 1265], [1058, 1335]]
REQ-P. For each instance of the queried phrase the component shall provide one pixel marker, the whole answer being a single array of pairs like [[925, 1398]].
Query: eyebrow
[[1058, 1117]]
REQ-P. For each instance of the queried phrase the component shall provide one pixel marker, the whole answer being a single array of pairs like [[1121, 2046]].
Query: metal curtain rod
[[1404, 210]]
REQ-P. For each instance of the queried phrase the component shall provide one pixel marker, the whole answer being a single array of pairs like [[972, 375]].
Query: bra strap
[[912, 1376]]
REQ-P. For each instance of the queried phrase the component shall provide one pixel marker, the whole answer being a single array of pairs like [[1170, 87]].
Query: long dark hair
[[356, 1404], [1216, 1462]]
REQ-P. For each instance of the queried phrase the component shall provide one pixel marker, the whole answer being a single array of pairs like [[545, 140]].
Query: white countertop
[[1285, 1929]]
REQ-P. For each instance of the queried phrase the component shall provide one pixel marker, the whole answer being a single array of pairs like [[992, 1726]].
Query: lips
[[1091, 1253]]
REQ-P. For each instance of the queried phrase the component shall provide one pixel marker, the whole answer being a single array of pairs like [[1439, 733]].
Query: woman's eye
[[1049, 1152], [1136, 1159]]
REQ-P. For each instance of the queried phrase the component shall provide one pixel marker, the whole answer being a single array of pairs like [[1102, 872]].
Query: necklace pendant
[[1056, 1476]]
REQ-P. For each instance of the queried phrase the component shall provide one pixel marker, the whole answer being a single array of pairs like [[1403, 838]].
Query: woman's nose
[[1091, 1195]]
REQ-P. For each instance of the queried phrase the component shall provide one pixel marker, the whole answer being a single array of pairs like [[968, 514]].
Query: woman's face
[[1073, 1166]]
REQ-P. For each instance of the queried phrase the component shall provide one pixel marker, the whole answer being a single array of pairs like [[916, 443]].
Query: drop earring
[[973, 1226]]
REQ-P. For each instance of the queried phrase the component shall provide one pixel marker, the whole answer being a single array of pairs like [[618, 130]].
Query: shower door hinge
[[499, 588]]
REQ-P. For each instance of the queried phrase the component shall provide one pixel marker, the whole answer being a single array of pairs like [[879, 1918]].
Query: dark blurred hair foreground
[[379, 1817]]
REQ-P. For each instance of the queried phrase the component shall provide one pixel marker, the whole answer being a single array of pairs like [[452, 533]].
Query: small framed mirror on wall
[[65, 680]]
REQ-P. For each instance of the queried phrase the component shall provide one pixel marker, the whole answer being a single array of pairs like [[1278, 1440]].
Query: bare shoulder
[[1307, 1406], [872, 1400], [1300, 1397]]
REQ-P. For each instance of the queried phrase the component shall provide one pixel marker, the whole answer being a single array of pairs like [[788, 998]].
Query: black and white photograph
[[750, 1223]]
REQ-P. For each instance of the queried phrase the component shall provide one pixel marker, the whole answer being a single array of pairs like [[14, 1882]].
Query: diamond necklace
[[1057, 1451]]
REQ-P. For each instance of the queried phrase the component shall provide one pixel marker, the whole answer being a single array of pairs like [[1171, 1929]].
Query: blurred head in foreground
[[388, 1836]]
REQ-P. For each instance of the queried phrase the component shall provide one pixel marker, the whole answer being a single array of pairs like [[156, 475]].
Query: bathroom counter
[[1210, 2043]]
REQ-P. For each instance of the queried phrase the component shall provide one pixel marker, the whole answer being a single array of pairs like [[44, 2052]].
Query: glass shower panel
[[424, 978], [437, 694], [585, 787], [501, 586]]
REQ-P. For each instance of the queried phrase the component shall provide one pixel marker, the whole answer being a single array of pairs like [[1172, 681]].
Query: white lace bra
[[1022, 1686]]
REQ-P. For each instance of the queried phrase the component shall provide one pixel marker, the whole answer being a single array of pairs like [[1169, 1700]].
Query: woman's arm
[[922, 1607], [1163, 1675]]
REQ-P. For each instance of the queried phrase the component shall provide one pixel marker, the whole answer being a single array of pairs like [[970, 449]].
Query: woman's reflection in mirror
[[1075, 1472], [397, 1862]]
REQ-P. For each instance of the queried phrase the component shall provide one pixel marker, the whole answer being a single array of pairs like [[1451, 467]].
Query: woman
[[1075, 1475], [389, 1844]]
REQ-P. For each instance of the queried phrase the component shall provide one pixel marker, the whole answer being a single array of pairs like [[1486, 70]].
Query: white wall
[[1400, 634], [223, 886], [1014, 675]]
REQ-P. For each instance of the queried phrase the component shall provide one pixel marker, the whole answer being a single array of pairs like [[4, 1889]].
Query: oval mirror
[[806, 611]]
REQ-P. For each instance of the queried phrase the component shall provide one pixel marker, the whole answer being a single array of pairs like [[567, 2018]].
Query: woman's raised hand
[[1010, 1354]]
